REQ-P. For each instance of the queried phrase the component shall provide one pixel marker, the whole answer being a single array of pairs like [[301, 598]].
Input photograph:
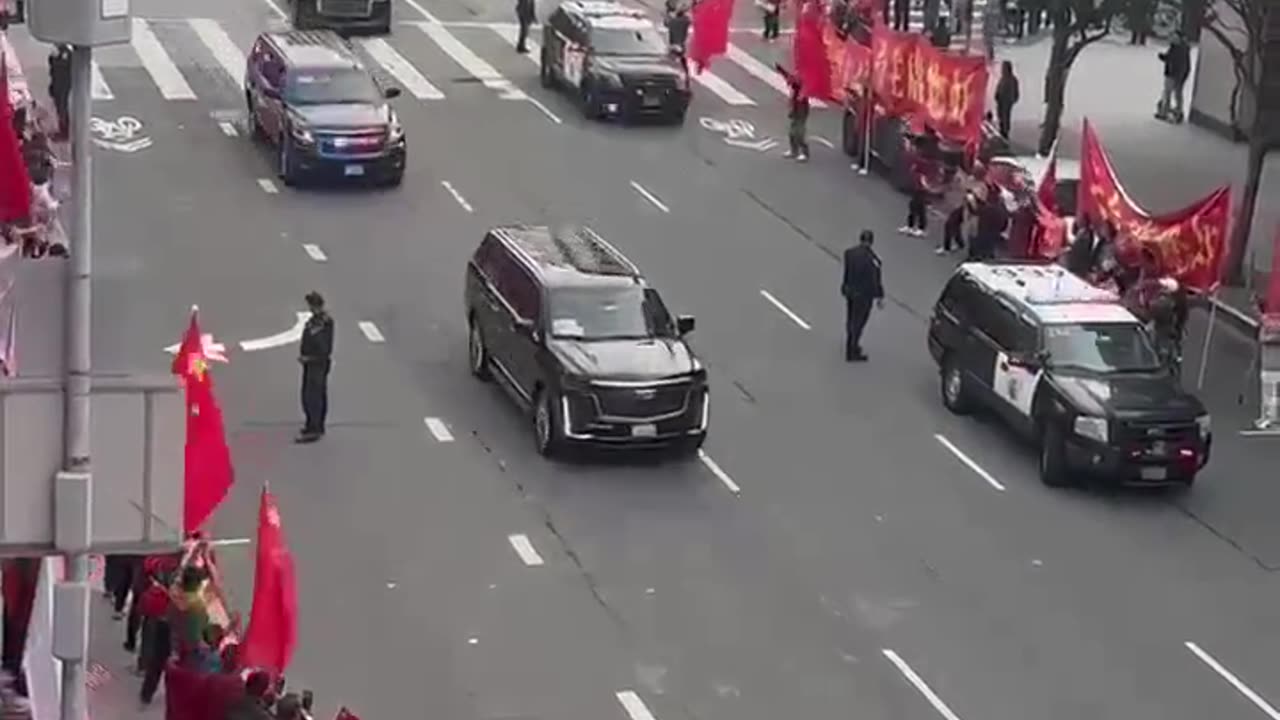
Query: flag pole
[[1208, 339], [869, 116]]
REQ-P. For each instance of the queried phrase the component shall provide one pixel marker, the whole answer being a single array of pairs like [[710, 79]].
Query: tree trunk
[[1055, 89], [1238, 244]]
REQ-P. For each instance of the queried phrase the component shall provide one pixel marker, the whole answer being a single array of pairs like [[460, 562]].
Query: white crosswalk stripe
[[511, 34], [473, 63], [155, 59], [406, 74], [761, 72], [224, 50], [724, 90]]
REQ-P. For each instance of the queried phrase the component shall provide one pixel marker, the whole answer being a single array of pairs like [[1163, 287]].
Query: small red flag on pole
[[208, 472], [710, 39]]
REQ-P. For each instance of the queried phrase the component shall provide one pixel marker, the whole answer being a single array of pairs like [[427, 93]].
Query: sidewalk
[[113, 686], [1163, 166]]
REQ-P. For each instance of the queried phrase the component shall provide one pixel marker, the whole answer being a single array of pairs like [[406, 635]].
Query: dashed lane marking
[[969, 462], [1233, 681], [528, 554], [653, 199], [920, 684], [155, 60], [230, 542], [371, 332], [438, 429], [314, 252], [634, 706], [268, 186], [720, 474], [785, 310], [228, 129], [462, 202]]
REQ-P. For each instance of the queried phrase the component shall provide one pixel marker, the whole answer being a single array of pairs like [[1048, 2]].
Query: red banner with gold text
[[1188, 243]]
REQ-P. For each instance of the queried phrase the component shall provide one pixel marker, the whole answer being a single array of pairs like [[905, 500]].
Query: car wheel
[[678, 117], [546, 429], [287, 172], [544, 71], [1053, 466], [955, 391], [477, 353]]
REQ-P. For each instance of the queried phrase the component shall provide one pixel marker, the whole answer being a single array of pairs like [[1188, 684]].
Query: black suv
[[308, 92], [1069, 366], [569, 327], [616, 61]]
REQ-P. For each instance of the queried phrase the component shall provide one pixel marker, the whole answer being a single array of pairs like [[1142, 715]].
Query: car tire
[[477, 353], [544, 71], [955, 391], [546, 427], [1053, 466], [288, 174], [677, 118]]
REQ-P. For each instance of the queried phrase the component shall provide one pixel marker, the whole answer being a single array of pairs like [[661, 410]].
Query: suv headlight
[[1205, 426], [301, 132], [395, 131], [1094, 428]]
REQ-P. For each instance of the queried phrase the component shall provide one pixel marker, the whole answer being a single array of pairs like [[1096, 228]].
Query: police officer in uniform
[[861, 287], [314, 354], [526, 15]]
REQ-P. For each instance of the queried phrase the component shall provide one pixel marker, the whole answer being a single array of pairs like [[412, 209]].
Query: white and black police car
[[1068, 366], [615, 60]]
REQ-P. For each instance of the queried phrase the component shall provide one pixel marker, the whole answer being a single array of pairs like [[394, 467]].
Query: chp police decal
[[1015, 384]]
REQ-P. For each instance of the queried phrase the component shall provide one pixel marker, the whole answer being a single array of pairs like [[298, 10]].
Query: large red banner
[[1188, 244]]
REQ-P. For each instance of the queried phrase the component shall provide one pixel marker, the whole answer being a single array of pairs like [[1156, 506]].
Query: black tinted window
[[609, 313], [1100, 347], [324, 87], [1002, 323], [628, 41], [958, 297]]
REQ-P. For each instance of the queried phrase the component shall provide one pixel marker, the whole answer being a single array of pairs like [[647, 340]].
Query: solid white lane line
[[511, 34], [438, 429], [457, 196], [314, 252], [723, 89], [473, 63], [528, 554], [224, 50], [371, 332], [822, 141], [634, 706], [545, 110], [405, 73], [721, 475], [422, 11], [785, 310], [919, 684], [228, 129], [155, 60], [968, 461], [650, 197], [769, 76], [280, 13], [1232, 680], [101, 91], [268, 186]]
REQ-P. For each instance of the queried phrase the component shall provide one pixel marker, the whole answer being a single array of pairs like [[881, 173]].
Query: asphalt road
[[846, 549]]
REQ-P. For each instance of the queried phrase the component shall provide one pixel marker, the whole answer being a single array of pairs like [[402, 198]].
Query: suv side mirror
[[684, 324], [391, 93]]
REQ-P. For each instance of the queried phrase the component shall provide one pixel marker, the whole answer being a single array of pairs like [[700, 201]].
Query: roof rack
[[575, 248], [1038, 284], [603, 8]]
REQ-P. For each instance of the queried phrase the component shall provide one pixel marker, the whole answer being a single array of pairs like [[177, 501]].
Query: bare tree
[[1240, 26], [1076, 24]]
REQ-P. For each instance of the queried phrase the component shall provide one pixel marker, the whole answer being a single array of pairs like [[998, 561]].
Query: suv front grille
[[365, 142], [345, 8], [1157, 437], [650, 82], [651, 403]]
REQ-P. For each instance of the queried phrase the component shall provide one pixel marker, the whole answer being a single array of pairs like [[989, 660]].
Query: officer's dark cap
[[315, 299], [867, 237]]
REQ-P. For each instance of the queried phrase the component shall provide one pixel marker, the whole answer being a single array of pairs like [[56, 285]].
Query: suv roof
[[606, 12], [314, 49], [1049, 293], [576, 256]]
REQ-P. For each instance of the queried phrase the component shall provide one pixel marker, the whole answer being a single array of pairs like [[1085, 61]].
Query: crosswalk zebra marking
[[473, 63], [101, 91], [406, 74], [155, 60], [511, 34], [224, 50], [724, 90], [762, 72]]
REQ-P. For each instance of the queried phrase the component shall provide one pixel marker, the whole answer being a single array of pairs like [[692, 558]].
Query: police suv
[[1067, 365], [615, 59]]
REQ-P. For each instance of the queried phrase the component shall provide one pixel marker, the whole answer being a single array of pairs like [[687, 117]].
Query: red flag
[[710, 39], [1271, 304], [273, 622], [1047, 191], [809, 54], [208, 473], [15, 184]]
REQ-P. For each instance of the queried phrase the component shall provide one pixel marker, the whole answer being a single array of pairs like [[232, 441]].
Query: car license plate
[[354, 170], [644, 431], [652, 101], [1154, 473]]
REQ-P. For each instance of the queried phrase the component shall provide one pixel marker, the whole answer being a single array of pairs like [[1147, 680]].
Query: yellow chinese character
[[936, 104]]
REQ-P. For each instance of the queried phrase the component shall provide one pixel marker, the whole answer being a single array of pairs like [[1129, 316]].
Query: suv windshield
[[1100, 347], [631, 41], [331, 87], [613, 313]]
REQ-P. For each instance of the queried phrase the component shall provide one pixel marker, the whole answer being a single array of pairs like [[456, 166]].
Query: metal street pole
[[77, 388]]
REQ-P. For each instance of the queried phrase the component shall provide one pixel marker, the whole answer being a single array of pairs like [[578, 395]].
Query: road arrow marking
[[292, 335], [762, 145], [212, 350]]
